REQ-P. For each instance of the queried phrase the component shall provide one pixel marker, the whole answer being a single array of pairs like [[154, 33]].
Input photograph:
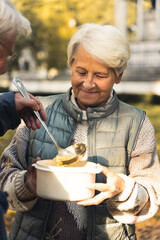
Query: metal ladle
[[77, 151]]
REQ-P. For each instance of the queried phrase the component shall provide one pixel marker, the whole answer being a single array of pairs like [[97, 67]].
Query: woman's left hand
[[113, 186]]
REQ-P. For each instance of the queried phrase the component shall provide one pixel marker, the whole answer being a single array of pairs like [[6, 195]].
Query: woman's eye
[[100, 76], [82, 73]]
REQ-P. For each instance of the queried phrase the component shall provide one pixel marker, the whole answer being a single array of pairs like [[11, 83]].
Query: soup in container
[[65, 183]]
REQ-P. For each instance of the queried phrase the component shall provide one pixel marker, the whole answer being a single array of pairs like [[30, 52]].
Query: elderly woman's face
[[92, 82], [6, 48]]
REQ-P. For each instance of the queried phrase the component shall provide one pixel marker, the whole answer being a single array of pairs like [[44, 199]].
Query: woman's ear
[[118, 78]]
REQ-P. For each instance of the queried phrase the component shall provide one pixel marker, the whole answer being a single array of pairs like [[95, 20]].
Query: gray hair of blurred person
[[105, 43], [12, 21]]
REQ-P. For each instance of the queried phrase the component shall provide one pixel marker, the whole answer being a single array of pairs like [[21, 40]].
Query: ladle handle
[[18, 83]]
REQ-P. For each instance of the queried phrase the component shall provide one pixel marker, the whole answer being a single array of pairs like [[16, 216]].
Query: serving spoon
[[76, 151]]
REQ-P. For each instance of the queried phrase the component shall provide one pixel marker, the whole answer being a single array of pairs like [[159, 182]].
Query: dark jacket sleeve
[[8, 115], [3, 209]]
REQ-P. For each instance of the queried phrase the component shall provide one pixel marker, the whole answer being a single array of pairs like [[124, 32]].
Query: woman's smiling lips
[[88, 93]]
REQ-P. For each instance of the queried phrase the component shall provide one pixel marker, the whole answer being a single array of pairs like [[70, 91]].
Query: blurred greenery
[[6, 139], [54, 22], [151, 105], [153, 112]]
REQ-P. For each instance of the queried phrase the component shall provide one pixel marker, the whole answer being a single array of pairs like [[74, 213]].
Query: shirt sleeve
[[13, 166], [141, 197], [9, 118]]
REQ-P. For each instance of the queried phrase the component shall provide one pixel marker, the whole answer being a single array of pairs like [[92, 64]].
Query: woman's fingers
[[95, 200], [37, 159], [30, 178], [113, 186], [106, 171], [101, 187]]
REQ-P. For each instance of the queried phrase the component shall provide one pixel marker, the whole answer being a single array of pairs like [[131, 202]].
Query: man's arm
[[8, 115]]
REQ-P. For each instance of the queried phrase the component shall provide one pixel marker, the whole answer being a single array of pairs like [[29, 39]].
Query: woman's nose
[[89, 82]]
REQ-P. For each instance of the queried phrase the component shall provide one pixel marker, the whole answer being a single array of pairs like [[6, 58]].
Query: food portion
[[62, 159], [67, 182], [73, 154]]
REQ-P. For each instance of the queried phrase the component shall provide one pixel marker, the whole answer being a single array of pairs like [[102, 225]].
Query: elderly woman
[[12, 105], [119, 137]]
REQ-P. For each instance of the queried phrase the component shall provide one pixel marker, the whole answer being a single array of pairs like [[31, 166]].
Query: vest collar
[[92, 113]]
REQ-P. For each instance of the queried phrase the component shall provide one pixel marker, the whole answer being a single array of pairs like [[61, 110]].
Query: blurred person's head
[[12, 23], [97, 56]]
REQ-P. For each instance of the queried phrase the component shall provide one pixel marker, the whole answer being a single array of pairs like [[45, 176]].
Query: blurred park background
[[41, 61]]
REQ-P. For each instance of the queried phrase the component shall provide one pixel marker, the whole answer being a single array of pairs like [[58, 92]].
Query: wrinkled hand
[[113, 186], [25, 107], [30, 178]]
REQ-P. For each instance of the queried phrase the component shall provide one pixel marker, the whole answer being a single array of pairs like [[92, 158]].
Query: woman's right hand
[[30, 178]]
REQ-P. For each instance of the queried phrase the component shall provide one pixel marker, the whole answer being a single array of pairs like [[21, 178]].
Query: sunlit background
[[41, 61]]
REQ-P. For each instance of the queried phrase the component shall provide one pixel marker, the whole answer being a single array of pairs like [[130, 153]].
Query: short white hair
[[12, 21], [105, 43]]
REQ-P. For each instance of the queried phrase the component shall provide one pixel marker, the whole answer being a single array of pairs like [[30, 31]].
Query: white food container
[[65, 183]]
